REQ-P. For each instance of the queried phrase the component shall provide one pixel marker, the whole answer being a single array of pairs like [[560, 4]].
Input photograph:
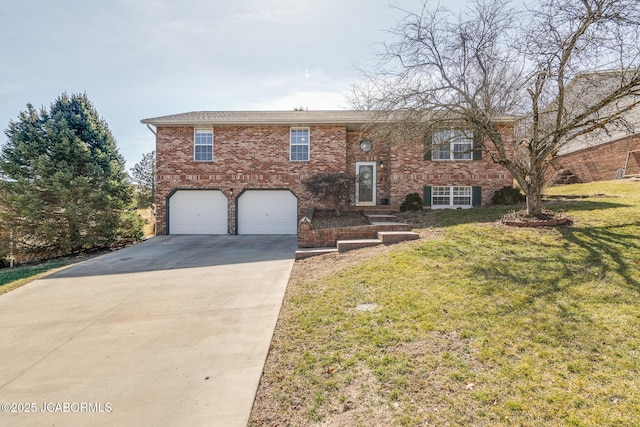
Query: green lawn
[[479, 325], [12, 278]]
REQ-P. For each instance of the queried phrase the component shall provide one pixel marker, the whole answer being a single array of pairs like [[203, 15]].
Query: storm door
[[366, 183]]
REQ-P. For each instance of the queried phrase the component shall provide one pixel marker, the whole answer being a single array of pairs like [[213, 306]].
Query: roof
[[350, 118], [262, 118], [585, 91]]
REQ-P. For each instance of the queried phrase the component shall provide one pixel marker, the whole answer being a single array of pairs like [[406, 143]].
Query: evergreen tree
[[143, 175], [64, 188]]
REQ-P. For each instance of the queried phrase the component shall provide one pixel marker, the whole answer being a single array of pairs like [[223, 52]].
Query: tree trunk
[[534, 200], [336, 206]]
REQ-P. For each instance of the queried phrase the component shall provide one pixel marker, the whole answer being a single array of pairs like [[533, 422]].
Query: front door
[[366, 183]]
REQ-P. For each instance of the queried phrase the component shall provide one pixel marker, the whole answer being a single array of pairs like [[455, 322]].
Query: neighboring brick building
[[242, 172], [601, 154], [603, 161]]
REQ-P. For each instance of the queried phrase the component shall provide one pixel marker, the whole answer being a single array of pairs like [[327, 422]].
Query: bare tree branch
[[562, 69]]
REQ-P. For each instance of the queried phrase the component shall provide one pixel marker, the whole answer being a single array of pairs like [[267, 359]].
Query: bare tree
[[560, 70]]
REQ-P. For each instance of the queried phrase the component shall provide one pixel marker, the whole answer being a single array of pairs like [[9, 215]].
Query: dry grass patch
[[149, 218]]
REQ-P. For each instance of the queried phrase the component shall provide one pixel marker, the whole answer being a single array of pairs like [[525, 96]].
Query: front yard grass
[[480, 324], [12, 278]]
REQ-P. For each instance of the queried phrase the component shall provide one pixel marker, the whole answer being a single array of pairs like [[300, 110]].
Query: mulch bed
[[328, 219], [547, 219]]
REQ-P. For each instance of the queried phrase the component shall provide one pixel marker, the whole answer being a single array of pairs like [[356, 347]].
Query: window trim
[[195, 143], [291, 144], [451, 197], [452, 143]]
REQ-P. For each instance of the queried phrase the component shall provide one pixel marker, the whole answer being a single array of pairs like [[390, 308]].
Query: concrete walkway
[[170, 332]]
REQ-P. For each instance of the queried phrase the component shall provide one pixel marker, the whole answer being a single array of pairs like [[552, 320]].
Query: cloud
[[146, 58], [312, 100], [268, 16]]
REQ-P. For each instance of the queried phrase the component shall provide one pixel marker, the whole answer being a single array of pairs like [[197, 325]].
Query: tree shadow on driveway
[[186, 251]]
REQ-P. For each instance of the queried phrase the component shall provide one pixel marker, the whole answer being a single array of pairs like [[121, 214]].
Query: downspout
[[155, 133]]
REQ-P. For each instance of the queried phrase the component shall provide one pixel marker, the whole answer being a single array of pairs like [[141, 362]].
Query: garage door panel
[[198, 212], [267, 212]]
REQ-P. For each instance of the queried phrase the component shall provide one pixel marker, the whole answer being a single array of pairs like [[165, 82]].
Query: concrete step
[[347, 245], [392, 226], [381, 218], [302, 253], [378, 211], [389, 237]]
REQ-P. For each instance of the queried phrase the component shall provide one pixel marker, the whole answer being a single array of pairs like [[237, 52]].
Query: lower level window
[[451, 197]]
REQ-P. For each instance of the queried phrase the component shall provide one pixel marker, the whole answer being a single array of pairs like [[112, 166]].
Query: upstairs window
[[452, 145], [203, 145], [299, 138]]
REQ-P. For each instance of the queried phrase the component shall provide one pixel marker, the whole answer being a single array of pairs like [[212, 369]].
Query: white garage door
[[198, 212], [267, 212]]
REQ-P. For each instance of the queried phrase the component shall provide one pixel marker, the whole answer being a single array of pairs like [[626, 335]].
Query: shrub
[[508, 196], [333, 186], [413, 202]]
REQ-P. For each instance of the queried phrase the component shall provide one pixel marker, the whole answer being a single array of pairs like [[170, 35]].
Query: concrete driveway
[[173, 331]]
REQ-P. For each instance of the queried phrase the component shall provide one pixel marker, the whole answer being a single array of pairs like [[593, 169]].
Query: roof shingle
[[262, 118]]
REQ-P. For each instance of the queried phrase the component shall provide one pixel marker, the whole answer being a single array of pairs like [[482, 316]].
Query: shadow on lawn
[[581, 205], [451, 217], [605, 246], [515, 284]]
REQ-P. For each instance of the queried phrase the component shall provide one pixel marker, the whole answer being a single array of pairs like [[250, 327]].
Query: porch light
[[381, 164], [231, 192]]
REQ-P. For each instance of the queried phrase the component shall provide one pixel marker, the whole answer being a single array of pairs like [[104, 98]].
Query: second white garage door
[[198, 212], [267, 212]]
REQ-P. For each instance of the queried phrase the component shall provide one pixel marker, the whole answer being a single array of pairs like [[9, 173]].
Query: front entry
[[365, 183]]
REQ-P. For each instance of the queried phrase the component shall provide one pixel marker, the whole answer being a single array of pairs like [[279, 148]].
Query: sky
[[137, 59]]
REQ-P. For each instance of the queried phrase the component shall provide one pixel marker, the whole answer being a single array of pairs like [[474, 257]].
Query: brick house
[[609, 159], [243, 172], [601, 154]]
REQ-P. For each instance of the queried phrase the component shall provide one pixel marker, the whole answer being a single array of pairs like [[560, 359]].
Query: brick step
[[309, 252], [392, 226], [347, 245], [384, 237], [389, 237], [381, 218]]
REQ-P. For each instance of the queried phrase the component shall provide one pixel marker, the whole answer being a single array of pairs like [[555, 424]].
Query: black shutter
[[428, 144], [476, 196], [426, 195], [477, 145]]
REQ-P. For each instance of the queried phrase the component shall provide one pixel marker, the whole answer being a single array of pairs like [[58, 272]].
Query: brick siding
[[409, 172], [244, 158], [257, 157], [601, 162], [327, 237]]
